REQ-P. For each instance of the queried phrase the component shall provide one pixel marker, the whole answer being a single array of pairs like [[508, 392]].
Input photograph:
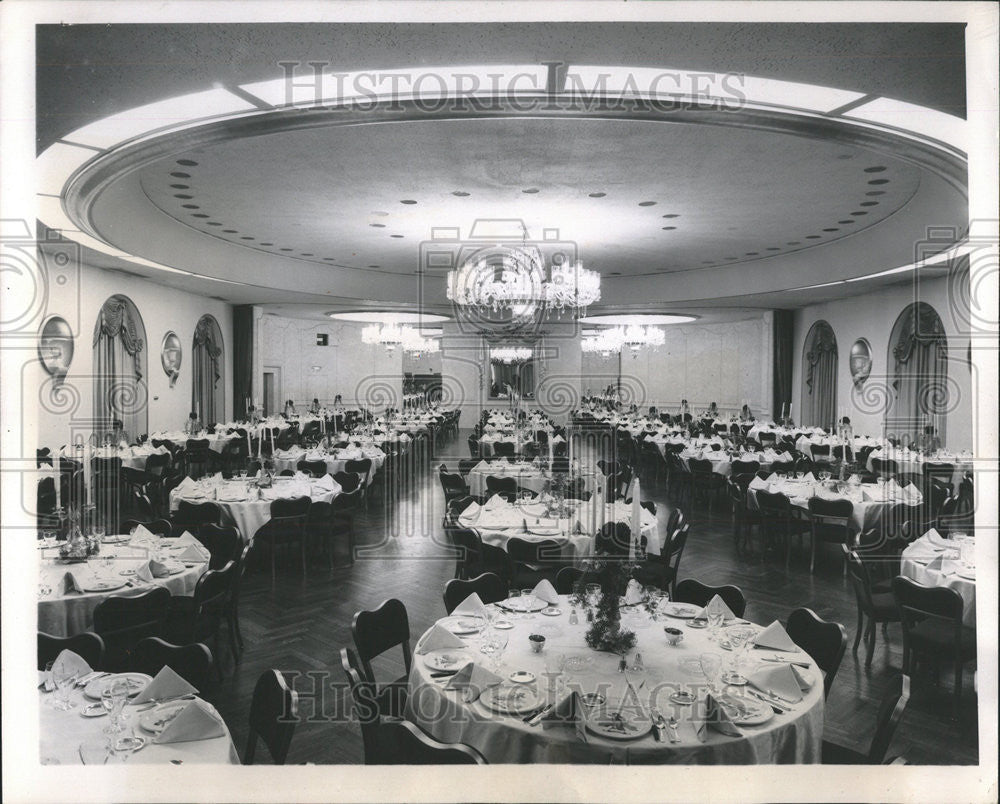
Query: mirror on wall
[[512, 370]]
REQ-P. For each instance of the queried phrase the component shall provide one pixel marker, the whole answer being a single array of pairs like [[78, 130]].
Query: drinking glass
[[108, 703], [711, 664], [528, 596], [715, 618], [593, 594], [738, 638], [98, 531], [63, 677], [516, 612], [94, 753], [127, 742]]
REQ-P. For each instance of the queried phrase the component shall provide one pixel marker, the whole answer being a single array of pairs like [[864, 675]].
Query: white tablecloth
[[133, 457], [914, 563], [525, 475], [909, 461], [795, 737], [62, 732], [250, 514], [216, 442], [65, 615], [335, 462]]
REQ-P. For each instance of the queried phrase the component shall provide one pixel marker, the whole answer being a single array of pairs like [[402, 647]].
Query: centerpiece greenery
[[613, 574]]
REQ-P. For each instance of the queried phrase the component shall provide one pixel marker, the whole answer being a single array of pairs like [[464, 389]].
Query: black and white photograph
[[606, 392]]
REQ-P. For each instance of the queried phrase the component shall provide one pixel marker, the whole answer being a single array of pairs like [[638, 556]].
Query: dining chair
[[196, 457], [614, 539], [779, 521], [198, 617], [88, 646], [820, 453], [698, 594], [469, 547], [830, 521], [286, 526], [233, 617], [490, 587], [452, 484], [503, 449], [406, 744], [121, 621], [376, 632], [661, 570], [567, 579], [531, 561], [884, 467], [931, 617], [824, 641], [890, 712], [311, 468], [877, 606], [223, 542], [745, 467], [365, 706], [705, 480], [506, 487], [193, 662], [474, 448], [191, 516], [348, 481], [273, 715]]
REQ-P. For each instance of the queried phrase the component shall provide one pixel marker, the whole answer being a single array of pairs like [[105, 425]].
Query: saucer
[[522, 677]]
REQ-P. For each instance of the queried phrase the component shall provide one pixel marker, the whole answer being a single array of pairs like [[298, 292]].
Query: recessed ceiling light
[[832, 229], [199, 215], [597, 195], [230, 231], [845, 156], [773, 248], [308, 254], [706, 262], [875, 169], [845, 222], [187, 162], [177, 174], [267, 244], [868, 204], [246, 237], [614, 273], [180, 187], [668, 228], [286, 249], [407, 201], [212, 223], [873, 193], [647, 203], [185, 197], [671, 215], [732, 258], [377, 225], [330, 259], [859, 212], [813, 237], [374, 266], [379, 213], [879, 181], [190, 206], [459, 193], [529, 190], [398, 237]]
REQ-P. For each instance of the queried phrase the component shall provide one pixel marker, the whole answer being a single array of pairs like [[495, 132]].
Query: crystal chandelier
[[510, 354], [633, 337], [415, 344], [515, 279], [392, 335]]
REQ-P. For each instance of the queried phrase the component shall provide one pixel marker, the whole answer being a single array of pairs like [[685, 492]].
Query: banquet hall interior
[[505, 393]]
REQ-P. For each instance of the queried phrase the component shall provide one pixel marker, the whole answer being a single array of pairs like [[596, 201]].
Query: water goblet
[[711, 664], [528, 601], [63, 678], [738, 638], [715, 618]]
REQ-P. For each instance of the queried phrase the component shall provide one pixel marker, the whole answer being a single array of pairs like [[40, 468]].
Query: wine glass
[[711, 664], [715, 617], [108, 703], [64, 678], [738, 638], [593, 594], [824, 475], [528, 599]]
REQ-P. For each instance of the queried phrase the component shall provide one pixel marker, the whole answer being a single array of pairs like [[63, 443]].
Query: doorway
[[272, 390]]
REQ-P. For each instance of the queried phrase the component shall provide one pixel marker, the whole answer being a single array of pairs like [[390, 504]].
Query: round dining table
[[567, 664], [65, 614], [336, 460], [919, 563]]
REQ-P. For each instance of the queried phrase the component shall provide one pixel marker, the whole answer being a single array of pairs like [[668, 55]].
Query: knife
[[535, 719], [785, 661], [775, 706]]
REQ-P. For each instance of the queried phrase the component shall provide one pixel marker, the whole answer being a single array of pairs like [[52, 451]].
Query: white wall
[[872, 316], [53, 418], [725, 363], [363, 374]]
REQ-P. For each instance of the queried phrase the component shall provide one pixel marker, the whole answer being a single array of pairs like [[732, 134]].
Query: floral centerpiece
[[606, 633]]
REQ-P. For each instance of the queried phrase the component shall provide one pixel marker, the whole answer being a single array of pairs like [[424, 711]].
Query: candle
[[56, 464], [260, 442], [249, 445], [271, 431], [636, 520], [87, 475], [551, 451]]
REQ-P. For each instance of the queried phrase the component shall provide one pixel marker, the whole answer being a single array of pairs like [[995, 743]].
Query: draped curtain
[[119, 366], [206, 359], [242, 358], [782, 332], [919, 352], [520, 377], [819, 396]]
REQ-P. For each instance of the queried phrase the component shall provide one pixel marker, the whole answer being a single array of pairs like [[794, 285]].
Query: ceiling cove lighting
[[510, 354], [633, 338]]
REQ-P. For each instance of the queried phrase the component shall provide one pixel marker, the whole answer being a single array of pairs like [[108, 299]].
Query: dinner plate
[[697, 622], [103, 586], [625, 726], [522, 677], [541, 530], [681, 611], [551, 611], [536, 510], [115, 539], [519, 604], [93, 710], [447, 659], [746, 711], [512, 699], [159, 717], [136, 683], [503, 625], [969, 575], [174, 568], [461, 625]]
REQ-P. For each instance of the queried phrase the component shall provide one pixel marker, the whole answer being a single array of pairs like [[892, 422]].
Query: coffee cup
[[674, 635]]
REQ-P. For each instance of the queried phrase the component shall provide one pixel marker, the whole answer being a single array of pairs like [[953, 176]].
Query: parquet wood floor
[[300, 626]]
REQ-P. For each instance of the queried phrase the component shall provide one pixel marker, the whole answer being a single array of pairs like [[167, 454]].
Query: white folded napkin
[[911, 492], [185, 486], [75, 664], [893, 488], [773, 478], [474, 680], [758, 484], [142, 534], [193, 553], [152, 569], [717, 604], [557, 439], [783, 680], [70, 583], [326, 483], [569, 709], [166, 684], [775, 637], [809, 477], [472, 606], [936, 538], [471, 513], [196, 721], [438, 638], [483, 467], [494, 502], [544, 590], [633, 592], [708, 714]]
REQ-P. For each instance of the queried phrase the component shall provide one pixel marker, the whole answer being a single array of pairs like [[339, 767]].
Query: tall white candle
[[636, 520], [58, 476], [260, 443], [271, 431]]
